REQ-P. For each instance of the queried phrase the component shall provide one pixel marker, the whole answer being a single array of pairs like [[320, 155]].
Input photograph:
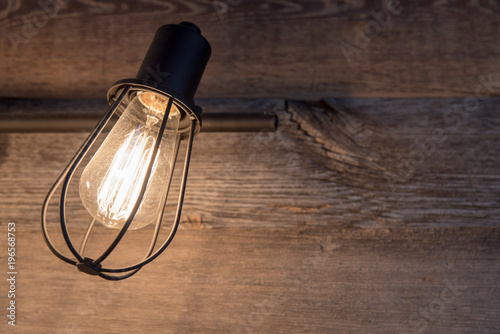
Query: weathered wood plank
[[297, 280], [277, 48], [313, 229], [379, 163]]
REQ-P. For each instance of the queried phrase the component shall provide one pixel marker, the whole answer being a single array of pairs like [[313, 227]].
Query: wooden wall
[[273, 48], [373, 209]]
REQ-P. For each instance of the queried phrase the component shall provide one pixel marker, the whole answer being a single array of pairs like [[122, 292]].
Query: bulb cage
[[172, 67], [95, 267]]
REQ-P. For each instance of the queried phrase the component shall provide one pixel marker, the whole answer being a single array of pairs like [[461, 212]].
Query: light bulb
[[111, 183]]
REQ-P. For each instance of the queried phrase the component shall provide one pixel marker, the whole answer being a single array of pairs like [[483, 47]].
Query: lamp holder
[[173, 67], [133, 86]]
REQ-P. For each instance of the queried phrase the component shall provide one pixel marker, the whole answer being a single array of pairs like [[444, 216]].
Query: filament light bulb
[[111, 183]]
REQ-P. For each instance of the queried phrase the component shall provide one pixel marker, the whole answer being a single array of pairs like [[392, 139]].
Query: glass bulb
[[111, 182]]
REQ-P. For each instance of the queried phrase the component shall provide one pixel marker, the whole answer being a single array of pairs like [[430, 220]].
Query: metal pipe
[[33, 122], [239, 122]]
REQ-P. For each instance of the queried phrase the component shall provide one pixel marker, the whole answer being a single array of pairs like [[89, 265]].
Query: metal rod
[[33, 122], [180, 202], [239, 122], [145, 182], [86, 237]]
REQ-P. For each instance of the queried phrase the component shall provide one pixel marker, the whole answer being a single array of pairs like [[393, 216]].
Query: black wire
[[86, 147], [56, 184], [118, 278], [177, 214], [160, 217], [125, 227], [157, 227]]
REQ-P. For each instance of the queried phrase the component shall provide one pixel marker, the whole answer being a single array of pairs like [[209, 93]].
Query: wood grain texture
[[260, 49], [297, 280], [318, 228], [356, 162]]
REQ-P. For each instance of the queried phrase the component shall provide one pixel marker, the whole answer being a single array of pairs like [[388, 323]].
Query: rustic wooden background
[[273, 48], [373, 209]]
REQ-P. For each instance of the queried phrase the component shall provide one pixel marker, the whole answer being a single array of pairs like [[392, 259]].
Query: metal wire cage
[[171, 69]]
